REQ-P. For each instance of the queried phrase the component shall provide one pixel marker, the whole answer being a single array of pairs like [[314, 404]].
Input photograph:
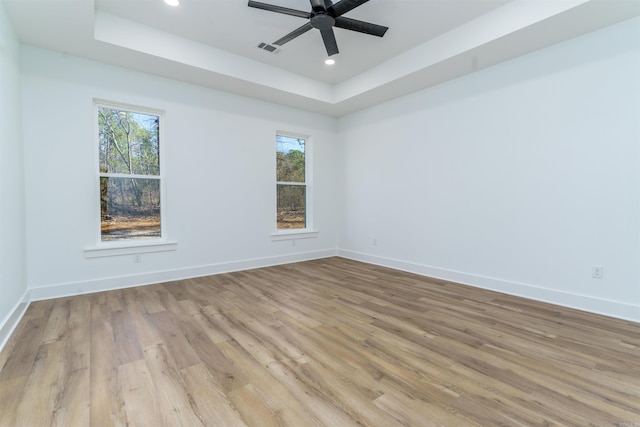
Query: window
[[129, 170], [292, 182]]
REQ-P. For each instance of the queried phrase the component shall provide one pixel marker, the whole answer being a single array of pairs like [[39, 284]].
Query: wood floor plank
[[317, 405], [140, 404], [44, 387], [227, 377], [107, 397], [73, 407], [174, 340], [125, 337], [270, 338], [255, 409], [11, 392], [330, 342], [355, 399], [57, 325], [20, 357], [147, 296], [281, 406], [169, 389], [210, 398]]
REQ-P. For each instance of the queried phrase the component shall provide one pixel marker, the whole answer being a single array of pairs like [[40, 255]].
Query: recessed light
[[329, 61], [172, 2]]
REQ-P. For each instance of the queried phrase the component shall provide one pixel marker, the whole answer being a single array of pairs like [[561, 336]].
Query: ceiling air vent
[[269, 48]]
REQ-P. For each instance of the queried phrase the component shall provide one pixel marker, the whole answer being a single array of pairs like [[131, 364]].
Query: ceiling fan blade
[[360, 26], [330, 42], [279, 9], [344, 6], [293, 34]]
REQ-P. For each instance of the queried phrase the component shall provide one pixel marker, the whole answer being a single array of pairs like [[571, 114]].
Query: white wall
[[519, 177], [13, 283], [219, 152]]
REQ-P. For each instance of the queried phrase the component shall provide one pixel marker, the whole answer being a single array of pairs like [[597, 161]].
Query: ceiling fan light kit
[[323, 17]]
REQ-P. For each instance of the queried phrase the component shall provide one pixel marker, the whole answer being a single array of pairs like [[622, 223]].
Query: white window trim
[[309, 231], [129, 247], [300, 233]]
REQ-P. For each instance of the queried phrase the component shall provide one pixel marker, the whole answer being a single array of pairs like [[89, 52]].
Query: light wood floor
[[331, 342]]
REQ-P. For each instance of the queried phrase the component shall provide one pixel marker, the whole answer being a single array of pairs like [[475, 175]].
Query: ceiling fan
[[324, 16]]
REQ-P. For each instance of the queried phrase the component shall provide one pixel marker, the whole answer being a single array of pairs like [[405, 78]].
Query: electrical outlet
[[137, 259], [375, 242], [597, 271]]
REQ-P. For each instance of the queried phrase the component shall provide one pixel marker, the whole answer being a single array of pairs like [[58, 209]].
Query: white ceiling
[[232, 26], [214, 42]]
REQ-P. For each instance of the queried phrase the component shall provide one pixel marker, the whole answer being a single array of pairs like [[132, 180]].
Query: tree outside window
[[129, 170], [291, 182]]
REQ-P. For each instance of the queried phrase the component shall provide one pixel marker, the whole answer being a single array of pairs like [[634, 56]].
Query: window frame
[[309, 230], [103, 248]]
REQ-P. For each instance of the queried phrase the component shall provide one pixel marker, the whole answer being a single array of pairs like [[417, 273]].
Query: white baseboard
[[591, 304], [610, 308], [111, 283], [10, 322]]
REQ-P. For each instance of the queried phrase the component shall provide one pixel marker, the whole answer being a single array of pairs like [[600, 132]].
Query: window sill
[[293, 235], [118, 249]]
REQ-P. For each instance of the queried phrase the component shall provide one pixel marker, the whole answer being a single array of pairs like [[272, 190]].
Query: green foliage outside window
[[291, 185], [129, 158]]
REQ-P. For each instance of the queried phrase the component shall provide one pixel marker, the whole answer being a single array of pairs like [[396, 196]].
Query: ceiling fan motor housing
[[322, 21]]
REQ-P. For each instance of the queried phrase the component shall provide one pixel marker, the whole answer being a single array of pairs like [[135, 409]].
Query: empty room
[[319, 213]]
